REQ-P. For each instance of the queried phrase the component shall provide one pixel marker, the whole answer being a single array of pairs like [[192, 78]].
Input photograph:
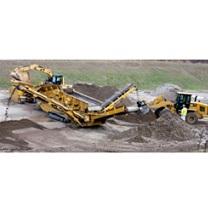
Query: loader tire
[[191, 118], [158, 112]]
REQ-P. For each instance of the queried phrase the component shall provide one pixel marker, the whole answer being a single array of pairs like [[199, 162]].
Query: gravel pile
[[169, 127]]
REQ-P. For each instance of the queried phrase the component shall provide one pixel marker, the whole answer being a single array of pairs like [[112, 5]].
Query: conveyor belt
[[97, 105], [116, 95], [89, 100]]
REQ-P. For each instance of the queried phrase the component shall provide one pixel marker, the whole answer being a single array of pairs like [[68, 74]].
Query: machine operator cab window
[[182, 99], [56, 79]]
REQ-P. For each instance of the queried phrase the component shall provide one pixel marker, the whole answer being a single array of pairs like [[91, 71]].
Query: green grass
[[145, 74], [4, 83]]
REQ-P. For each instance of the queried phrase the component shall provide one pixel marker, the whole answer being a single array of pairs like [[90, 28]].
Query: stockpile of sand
[[169, 127], [137, 118], [11, 142], [7, 126]]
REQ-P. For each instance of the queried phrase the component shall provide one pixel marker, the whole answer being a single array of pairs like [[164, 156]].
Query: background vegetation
[[145, 74]]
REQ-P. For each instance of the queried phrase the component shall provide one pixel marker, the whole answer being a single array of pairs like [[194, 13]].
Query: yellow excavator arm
[[23, 73]]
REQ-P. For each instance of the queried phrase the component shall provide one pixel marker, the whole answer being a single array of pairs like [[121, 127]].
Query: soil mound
[[137, 117], [18, 124], [6, 127], [169, 127], [10, 141]]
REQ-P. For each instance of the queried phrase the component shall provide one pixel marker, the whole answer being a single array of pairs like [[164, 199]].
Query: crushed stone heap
[[169, 127]]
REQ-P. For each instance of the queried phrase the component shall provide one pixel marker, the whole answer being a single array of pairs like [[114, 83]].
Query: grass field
[[145, 74]]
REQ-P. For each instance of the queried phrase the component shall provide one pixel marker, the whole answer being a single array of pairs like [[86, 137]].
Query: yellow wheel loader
[[196, 109]]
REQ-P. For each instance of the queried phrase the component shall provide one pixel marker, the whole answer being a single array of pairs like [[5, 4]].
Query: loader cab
[[182, 99], [56, 79]]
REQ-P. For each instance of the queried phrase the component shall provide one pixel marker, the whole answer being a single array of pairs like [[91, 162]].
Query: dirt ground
[[29, 129]]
